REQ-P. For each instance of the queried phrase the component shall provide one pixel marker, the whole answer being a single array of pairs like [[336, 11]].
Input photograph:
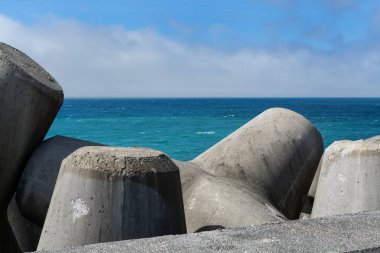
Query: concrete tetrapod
[[26, 232], [349, 178], [40, 174], [29, 100], [114, 194], [274, 156]]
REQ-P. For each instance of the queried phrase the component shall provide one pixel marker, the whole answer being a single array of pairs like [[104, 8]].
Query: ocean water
[[184, 128]]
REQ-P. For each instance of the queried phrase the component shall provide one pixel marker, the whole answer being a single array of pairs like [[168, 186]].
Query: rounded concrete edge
[[27, 65]]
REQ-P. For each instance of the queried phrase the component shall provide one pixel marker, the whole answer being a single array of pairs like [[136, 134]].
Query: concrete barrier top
[[347, 147]]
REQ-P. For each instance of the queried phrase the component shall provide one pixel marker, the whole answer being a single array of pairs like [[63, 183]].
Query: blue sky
[[269, 48], [321, 25]]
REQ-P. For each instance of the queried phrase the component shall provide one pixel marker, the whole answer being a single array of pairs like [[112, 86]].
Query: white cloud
[[93, 61]]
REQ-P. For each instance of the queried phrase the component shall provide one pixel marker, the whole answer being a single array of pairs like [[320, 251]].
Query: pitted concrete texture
[[118, 162], [38, 179], [354, 232], [14, 58], [349, 178]]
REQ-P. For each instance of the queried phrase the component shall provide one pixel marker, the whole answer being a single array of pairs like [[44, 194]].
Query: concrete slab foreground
[[353, 232]]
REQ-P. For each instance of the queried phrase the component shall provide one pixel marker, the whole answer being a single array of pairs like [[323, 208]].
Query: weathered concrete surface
[[349, 180], [27, 234], [330, 234], [274, 156], [38, 179], [29, 100], [218, 201], [108, 194], [374, 249], [314, 184]]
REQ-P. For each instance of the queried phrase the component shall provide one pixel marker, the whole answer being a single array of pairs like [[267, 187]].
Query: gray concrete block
[[29, 100], [38, 179], [274, 156], [108, 194], [354, 232], [26, 232], [349, 178]]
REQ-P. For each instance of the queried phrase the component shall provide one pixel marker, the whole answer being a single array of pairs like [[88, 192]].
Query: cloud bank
[[110, 61]]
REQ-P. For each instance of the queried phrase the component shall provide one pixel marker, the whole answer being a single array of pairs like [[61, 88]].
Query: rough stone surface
[[29, 100], [26, 232], [38, 179], [356, 233], [115, 194], [274, 157], [349, 180]]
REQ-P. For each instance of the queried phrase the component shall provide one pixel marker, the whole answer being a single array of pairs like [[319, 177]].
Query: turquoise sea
[[184, 128]]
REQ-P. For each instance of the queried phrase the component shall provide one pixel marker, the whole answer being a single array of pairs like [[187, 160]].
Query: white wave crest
[[206, 132]]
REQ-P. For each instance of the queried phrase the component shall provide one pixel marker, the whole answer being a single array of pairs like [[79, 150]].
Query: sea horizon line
[[216, 98]]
